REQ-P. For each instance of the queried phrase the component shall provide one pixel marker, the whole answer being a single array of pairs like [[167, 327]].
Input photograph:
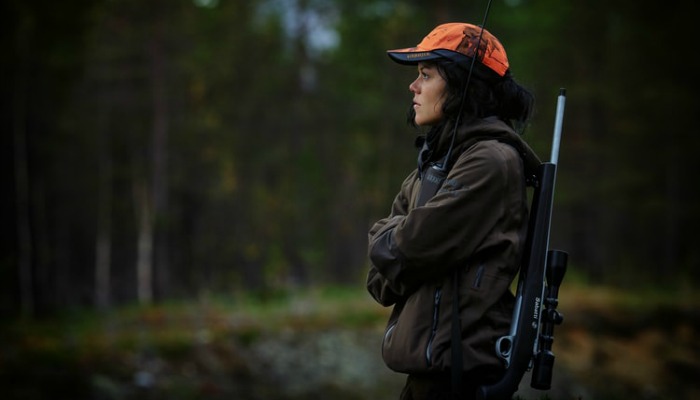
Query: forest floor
[[324, 343]]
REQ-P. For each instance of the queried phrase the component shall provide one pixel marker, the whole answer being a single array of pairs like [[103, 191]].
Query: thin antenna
[[466, 87]]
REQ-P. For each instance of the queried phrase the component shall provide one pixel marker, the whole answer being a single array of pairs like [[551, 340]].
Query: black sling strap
[[457, 388]]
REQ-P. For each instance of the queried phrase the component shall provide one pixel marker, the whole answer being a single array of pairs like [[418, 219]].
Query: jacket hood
[[490, 128]]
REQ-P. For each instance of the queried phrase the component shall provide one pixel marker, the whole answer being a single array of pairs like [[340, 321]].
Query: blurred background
[[189, 184]]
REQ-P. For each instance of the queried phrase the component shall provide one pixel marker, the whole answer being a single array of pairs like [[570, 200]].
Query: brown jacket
[[475, 224]]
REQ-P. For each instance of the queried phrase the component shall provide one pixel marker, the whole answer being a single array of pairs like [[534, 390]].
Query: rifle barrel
[[558, 121]]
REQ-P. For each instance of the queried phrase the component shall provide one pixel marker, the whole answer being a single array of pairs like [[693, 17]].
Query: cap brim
[[411, 56]]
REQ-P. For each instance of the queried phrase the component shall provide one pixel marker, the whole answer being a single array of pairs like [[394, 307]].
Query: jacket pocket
[[413, 332]]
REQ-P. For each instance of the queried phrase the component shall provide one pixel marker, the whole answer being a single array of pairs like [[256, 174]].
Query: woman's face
[[428, 95]]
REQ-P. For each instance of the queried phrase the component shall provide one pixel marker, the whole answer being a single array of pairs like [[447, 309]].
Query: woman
[[459, 238]]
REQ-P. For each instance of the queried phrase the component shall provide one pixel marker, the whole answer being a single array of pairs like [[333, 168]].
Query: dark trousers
[[439, 387]]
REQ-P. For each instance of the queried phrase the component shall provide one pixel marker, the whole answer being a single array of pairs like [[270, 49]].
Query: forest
[[158, 150], [176, 150]]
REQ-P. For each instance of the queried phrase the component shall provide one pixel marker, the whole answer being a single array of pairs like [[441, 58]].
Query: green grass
[[85, 348], [175, 323], [108, 346]]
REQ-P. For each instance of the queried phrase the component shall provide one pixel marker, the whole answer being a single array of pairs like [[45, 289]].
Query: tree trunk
[[669, 263], [24, 234], [144, 250], [160, 148], [103, 250]]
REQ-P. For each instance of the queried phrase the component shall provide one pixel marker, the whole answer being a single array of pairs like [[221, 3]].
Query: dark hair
[[488, 95]]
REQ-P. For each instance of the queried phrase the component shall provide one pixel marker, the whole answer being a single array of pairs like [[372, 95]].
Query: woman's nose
[[413, 87]]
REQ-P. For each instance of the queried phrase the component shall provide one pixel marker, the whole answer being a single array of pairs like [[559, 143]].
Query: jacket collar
[[438, 140]]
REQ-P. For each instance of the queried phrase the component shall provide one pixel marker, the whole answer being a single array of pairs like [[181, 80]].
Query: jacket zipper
[[436, 312], [479, 276], [388, 332]]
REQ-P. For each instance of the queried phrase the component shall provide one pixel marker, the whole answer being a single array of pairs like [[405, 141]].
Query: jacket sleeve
[[424, 244], [378, 286]]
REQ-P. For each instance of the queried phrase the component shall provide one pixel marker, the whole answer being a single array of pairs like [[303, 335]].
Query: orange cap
[[454, 41]]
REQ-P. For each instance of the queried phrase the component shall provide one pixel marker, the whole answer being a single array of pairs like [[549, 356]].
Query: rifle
[[529, 342]]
